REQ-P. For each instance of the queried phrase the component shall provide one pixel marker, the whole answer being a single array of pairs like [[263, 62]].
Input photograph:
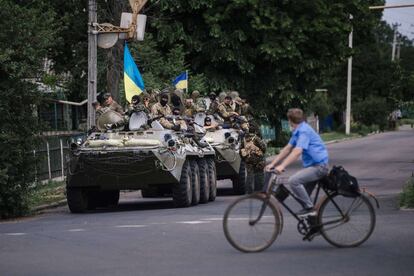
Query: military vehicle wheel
[[195, 182], [112, 197], [182, 194], [212, 178], [204, 181], [239, 181], [78, 200]]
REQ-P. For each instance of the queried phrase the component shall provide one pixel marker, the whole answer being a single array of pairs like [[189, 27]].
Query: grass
[[46, 193], [407, 195], [330, 136]]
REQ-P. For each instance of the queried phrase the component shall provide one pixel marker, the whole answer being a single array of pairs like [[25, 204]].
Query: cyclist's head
[[295, 115]]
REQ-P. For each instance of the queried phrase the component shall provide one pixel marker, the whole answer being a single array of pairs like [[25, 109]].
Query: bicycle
[[253, 222]]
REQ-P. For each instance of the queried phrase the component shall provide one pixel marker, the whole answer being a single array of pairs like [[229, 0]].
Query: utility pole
[[92, 62], [348, 88], [394, 42]]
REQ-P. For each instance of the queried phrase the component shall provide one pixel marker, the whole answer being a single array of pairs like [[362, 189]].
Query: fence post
[[61, 158], [34, 155], [48, 160]]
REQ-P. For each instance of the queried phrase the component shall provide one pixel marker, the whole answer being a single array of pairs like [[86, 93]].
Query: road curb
[[50, 206]]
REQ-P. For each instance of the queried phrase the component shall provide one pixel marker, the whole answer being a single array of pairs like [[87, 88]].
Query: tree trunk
[[114, 69]]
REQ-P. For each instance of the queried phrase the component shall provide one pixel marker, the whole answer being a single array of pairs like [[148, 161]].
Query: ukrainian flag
[[181, 82], [133, 83]]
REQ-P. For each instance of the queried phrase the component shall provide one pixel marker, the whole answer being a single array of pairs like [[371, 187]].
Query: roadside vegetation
[[407, 195], [47, 193]]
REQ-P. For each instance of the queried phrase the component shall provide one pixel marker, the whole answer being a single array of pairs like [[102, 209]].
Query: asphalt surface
[[150, 237]]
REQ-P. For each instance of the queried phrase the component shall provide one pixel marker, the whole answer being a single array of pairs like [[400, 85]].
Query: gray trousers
[[304, 176]]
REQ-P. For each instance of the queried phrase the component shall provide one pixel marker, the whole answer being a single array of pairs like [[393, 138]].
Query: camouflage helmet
[[238, 100], [234, 94], [222, 95], [195, 94]]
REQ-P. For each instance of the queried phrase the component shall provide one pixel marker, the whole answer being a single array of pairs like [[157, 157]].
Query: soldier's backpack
[[342, 182]]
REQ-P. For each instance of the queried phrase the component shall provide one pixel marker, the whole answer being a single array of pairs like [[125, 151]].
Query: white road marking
[[76, 230], [15, 234], [213, 219], [131, 226], [193, 222]]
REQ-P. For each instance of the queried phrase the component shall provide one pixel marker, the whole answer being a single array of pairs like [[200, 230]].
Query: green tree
[[26, 36]]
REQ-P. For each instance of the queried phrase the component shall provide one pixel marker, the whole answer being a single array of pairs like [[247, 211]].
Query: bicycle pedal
[[311, 235]]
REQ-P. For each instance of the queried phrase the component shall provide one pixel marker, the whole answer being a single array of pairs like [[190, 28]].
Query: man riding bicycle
[[306, 142]]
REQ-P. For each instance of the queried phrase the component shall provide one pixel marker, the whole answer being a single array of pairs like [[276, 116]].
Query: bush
[[407, 196], [371, 111], [281, 140]]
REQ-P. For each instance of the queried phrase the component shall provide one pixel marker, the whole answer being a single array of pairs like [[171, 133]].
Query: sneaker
[[306, 212]]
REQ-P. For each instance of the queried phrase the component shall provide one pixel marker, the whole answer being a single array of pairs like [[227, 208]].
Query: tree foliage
[[25, 39]]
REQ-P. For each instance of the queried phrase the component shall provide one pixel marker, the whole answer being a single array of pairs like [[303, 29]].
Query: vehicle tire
[[239, 181], [251, 223], [112, 197], [350, 227], [204, 181], [78, 200], [195, 182], [182, 194], [212, 179]]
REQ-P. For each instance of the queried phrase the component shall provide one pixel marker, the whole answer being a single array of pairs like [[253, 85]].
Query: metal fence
[[52, 155]]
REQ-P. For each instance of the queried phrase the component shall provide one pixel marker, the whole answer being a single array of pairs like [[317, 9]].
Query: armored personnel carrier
[[229, 164], [152, 159]]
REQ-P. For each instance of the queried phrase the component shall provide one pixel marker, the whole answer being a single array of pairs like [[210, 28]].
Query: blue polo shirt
[[314, 150]]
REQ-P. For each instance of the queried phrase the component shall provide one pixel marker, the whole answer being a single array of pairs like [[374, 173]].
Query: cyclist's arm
[[282, 154]]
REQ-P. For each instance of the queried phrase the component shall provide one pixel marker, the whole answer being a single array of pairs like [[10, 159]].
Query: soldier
[[199, 103], [238, 103], [232, 118], [146, 101], [213, 108], [106, 100], [225, 111], [99, 110], [177, 100], [221, 96], [190, 109], [153, 97], [209, 125], [137, 106], [178, 119], [253, 152], [162, 110]]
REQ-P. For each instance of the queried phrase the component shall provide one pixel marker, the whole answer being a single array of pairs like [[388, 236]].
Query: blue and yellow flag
[[181, 82], [133, 83]]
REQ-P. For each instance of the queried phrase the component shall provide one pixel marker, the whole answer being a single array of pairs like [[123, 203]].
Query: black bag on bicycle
[[342, 182]]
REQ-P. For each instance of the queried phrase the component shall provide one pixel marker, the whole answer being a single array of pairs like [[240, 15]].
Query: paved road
[[147, 237]]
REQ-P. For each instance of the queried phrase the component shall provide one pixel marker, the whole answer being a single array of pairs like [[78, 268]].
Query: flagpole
[[186, 73]]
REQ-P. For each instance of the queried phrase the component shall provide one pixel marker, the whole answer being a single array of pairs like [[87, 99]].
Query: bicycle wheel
[[251, 223], [346, 221]]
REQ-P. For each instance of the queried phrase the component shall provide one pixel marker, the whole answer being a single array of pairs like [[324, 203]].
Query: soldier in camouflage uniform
[[106, 100], [137, 106], [189, 108], [253, 152], [232, 118], [153, 97], [213, 108], [199, 102], [162, 109]]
